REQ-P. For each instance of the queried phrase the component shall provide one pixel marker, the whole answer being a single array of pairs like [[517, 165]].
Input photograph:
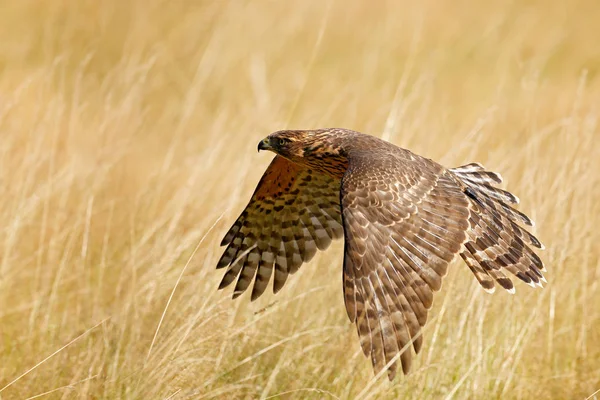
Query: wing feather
[[400, 238], [293, 212]]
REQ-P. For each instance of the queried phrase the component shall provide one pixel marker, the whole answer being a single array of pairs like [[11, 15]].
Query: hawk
[[403, 218]]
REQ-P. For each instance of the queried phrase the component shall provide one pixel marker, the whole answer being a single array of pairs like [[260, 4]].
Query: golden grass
[[128, 136]]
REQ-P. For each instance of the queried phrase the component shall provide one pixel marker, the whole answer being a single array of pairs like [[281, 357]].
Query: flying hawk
[[403, 218]]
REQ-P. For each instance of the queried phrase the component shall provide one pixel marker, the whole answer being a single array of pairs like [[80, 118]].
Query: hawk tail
[[496, 241]]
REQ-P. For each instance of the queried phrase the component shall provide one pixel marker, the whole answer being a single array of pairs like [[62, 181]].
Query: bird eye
[[282, 142]]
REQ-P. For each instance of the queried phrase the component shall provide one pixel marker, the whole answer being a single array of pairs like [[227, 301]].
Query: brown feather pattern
[[403, 217], [284, 224]]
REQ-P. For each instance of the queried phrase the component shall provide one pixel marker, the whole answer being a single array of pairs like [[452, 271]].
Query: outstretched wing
[[293, 212], [405, 218]]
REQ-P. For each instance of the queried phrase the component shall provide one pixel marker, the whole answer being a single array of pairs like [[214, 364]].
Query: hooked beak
[[264, 145]]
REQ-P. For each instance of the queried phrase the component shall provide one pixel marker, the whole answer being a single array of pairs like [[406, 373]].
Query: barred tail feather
[[495, 240]]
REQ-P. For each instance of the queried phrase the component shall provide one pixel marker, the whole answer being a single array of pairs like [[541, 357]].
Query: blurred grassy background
[[128, 134]]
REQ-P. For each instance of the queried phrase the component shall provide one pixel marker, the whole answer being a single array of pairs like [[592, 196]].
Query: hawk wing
[[405, 218], [293, 212]]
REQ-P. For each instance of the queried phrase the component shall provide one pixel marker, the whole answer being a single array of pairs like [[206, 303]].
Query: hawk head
[[322, 150], [305, 144], [289, 144]]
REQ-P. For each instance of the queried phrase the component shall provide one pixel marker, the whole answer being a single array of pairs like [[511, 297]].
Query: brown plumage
[[403, 217]]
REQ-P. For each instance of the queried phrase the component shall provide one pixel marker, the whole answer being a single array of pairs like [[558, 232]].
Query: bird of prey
[[403, 218]]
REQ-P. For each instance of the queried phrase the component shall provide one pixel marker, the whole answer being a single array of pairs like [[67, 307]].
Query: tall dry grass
[[128, 136]]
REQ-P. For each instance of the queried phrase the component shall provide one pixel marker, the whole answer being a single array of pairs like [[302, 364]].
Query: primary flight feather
[[403, 218]]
